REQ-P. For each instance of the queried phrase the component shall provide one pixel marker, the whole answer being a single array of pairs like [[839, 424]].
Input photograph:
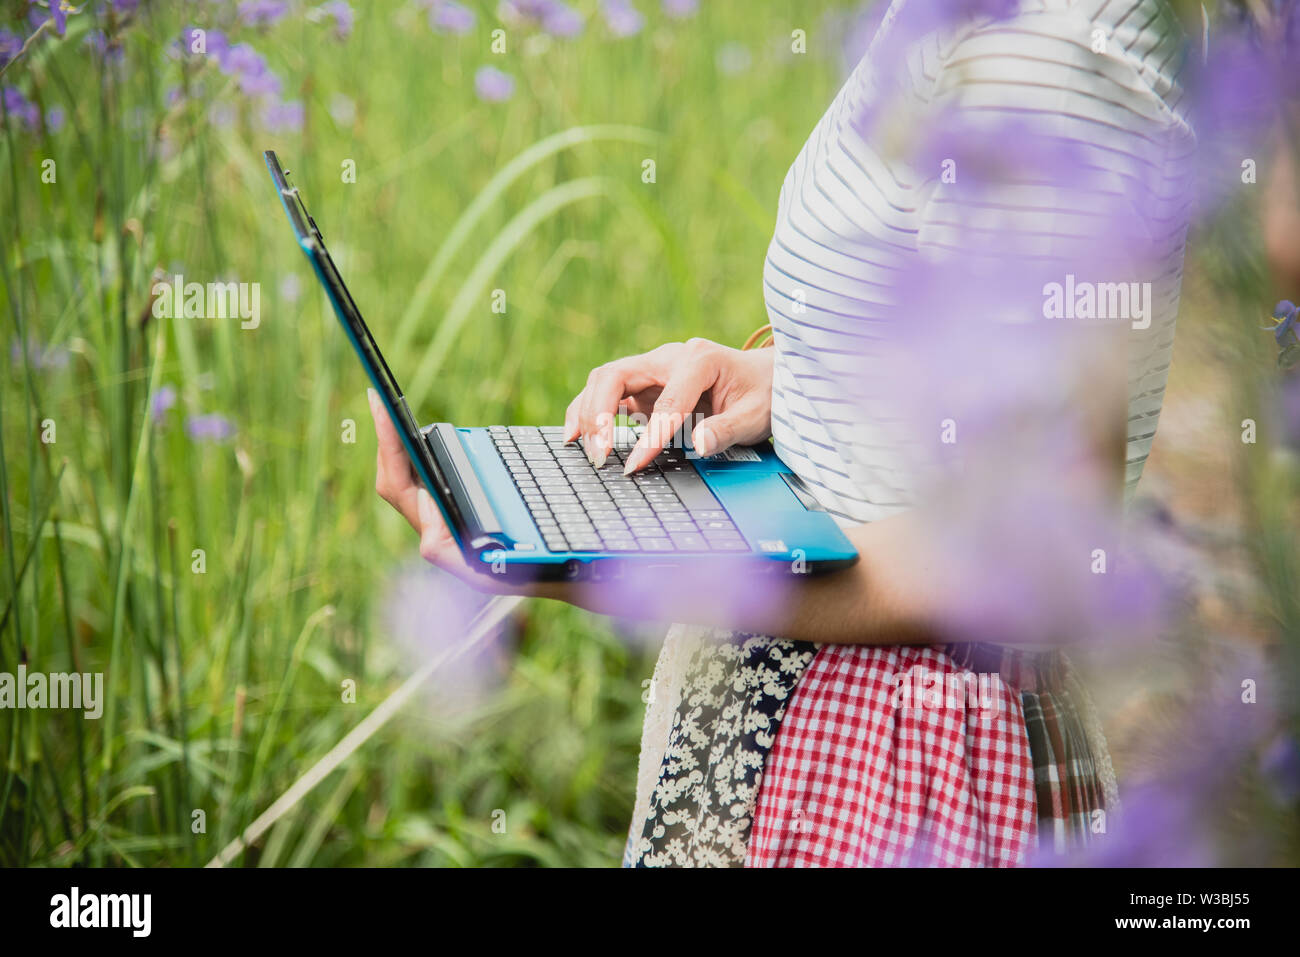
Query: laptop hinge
[[484, 531]]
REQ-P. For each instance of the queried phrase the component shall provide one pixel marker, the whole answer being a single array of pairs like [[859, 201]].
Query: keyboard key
[[717, 526], [690, 542], [655, 544], [678, 526], [692, 490], [729, 545]]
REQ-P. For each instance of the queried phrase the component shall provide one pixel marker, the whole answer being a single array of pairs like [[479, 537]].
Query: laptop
[[523, 504]]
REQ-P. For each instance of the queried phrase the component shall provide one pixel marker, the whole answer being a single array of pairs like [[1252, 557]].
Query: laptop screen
[[313, 244]]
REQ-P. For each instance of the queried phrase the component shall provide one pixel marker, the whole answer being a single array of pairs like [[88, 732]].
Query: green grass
[[224, 687]]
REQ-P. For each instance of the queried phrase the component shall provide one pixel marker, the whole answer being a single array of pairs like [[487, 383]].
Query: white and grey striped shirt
[[850, 212]]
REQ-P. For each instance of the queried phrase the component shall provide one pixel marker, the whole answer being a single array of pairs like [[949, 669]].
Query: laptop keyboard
[[666, 507]]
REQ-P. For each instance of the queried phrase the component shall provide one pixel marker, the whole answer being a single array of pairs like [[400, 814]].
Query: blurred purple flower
[[99, 41], [622, 18], [1195, 769], [446, 16], [211, 427], [681, 9], [428, 614], [493, 86], [215, 44], [41, 357], [283, 117], [10, 44], [340, 11], [250, 71], [553, 16], [1280, 763], [22, 110], [562, 21], [163, 400], [262, 13], [54, 117]]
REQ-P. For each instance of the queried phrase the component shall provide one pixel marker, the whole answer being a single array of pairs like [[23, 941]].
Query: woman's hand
[[730, 388], [399, 486]]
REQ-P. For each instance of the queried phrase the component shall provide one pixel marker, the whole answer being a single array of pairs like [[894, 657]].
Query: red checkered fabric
[[894, 756]]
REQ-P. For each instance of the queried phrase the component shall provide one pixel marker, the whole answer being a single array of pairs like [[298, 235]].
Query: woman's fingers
[[689, 380], [607, 387]]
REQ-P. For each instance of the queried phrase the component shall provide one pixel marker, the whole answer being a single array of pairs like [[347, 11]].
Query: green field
[[223, 687]]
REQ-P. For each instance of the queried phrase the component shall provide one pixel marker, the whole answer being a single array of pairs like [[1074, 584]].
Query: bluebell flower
[[1280, 763], [1285, 312], [341, 13], [211, 427], [23, 111], [493, 86], [622, 18], [10, 44], [262, 13], [447, 16], [283, 117], [163, 400]]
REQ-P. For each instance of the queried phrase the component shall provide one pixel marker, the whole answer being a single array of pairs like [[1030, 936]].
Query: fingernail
[[601, 456], [704, 441], [373, 398], [425, 505]]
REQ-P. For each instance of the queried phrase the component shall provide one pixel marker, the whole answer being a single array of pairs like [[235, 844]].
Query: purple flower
[[562, 21], [1280, 762], [24, 112], [681, 9], [249, 69], [622, 18], [58, 13], [553, 16], [10, 44], [214, 44], [163, 400], [1193, 770], [341, 13], [212, 427], [283, 117], [427, 614], [492, 85], [447, 16], [54, 119], [40, 357], [1285, 312], [262, 13], [99, 41]]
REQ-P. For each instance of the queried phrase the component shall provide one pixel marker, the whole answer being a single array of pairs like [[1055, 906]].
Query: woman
[[796, 750]]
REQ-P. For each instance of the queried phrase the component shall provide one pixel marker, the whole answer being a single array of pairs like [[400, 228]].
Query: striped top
[[851, 213]]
